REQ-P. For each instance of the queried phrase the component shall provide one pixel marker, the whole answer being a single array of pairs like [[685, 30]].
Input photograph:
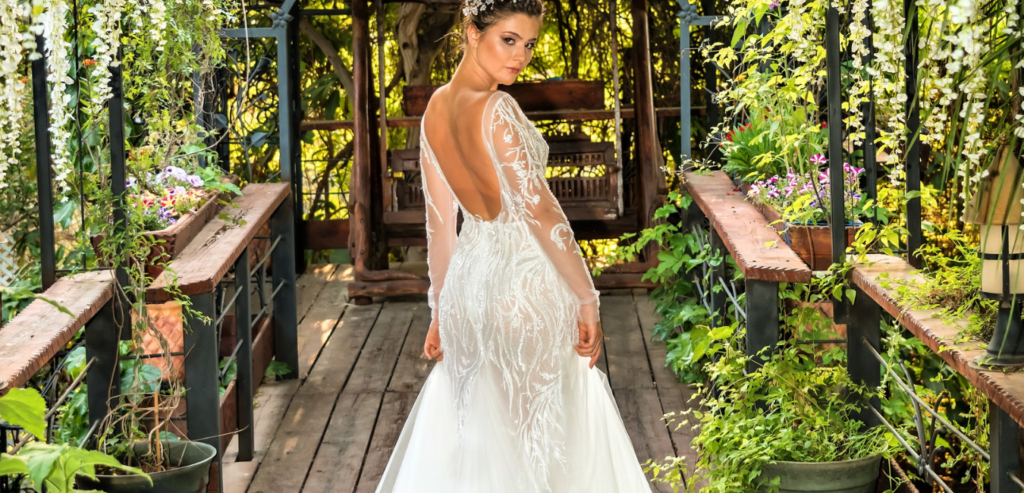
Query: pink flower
[[818, 159]]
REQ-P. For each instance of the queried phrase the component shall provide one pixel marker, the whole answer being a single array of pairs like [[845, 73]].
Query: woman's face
[[505, 48]]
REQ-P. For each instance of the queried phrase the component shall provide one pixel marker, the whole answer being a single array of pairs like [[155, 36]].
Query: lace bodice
[[519, 153]]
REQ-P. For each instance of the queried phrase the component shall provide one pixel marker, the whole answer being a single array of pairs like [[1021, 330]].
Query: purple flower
[[180, 190], [130, 182], [194, 180], [774, 4], [176, 173], [818, 159]]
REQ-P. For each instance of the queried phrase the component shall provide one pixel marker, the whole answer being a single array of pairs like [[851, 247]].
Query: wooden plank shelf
[[207, 259], [35, 335], [880, 276], [745, 232]]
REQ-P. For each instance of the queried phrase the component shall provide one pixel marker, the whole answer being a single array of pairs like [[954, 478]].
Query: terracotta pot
[[813, 244], [167, 320]]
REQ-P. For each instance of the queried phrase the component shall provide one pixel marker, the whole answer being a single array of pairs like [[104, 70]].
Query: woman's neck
[[470, 76]]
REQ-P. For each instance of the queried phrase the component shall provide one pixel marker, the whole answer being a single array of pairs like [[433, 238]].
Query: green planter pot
[[192, 477], [849, 476]]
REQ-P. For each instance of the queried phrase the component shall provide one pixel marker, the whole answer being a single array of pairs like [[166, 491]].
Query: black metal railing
[[863, 316]]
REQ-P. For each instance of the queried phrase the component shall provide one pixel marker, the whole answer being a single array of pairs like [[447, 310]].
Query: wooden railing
[[240, 318], [765, 260]]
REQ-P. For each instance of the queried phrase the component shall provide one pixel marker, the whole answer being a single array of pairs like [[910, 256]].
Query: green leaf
[[851, 295], [720, 333], [913, 194], [39, 459], [64, 211], [24, 408], [95, 458], [278, 368], [10, 466]]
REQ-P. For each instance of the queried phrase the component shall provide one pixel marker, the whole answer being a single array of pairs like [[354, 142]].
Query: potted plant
[[55, 467], [175, 205], [789, 426], [799, 206]]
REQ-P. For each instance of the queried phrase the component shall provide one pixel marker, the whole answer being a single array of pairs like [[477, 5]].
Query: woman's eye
[[510, 41], [529, 46]]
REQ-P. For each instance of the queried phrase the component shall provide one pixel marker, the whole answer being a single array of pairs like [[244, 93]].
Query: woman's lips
[[513, 70]]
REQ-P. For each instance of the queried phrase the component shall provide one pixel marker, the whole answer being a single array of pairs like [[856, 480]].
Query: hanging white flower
[[54, 22], [12, 85]]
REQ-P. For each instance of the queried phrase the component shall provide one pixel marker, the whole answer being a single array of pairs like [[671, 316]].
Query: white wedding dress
[[511, 408]]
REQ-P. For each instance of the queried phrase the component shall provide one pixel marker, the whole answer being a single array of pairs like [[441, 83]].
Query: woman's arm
[[516, 146], [442, 214]]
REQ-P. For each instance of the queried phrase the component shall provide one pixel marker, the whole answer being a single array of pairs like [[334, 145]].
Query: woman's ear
[[474, 36]]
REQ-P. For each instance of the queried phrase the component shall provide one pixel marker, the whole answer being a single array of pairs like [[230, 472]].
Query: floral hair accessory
[[475, 6]]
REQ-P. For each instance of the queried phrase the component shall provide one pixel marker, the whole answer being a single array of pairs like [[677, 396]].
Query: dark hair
[[497, 11]]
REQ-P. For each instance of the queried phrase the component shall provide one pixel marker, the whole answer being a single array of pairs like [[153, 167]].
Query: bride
[[515, 404]]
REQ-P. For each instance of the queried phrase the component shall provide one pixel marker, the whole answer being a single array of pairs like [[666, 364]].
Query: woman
[[514, 404]]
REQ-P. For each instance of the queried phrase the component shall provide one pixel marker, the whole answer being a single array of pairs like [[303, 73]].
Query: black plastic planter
[[191, 477], [848, 476]]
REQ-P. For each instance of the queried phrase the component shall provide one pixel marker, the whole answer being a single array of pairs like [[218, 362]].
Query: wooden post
[[647, 156], [360, 212]]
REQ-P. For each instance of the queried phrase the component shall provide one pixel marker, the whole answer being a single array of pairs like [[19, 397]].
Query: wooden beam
[[207, 259], [570, 115], [326, 234], [35, 335], [759, 251], [647, 157], [360, 194]]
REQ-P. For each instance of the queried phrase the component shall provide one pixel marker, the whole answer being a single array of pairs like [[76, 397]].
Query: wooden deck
[[333, 429]]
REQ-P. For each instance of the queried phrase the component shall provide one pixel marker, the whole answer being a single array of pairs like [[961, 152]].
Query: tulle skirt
[[431, 457]]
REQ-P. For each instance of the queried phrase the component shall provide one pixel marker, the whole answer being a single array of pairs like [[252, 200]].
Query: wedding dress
[[511, 408]]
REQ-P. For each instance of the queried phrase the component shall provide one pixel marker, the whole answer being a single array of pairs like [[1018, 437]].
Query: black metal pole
[[835, 135], [864, 333], [914, 239], [837, 219], [1004, 450], [762, 309], [118, 158], [246, 383], [41, 111], [287, 79]]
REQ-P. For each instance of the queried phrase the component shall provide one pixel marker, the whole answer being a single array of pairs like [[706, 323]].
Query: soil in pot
[[850, 476], [192, 474]]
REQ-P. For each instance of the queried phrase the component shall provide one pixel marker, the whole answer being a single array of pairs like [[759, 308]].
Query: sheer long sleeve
[[522, 154], [442, 214]]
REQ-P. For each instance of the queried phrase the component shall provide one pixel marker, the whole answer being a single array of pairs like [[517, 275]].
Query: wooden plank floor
[[333, 430]]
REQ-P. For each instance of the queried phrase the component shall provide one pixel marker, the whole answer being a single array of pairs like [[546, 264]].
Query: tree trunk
[[421, 30]]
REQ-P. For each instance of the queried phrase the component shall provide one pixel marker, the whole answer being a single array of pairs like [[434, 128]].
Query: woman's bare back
[[452, 123]]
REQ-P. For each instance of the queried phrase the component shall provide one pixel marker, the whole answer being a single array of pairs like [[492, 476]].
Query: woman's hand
[[591, 337], [432, 346]]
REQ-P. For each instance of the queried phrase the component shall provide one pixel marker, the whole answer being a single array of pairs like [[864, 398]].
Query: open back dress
[[511, 408]]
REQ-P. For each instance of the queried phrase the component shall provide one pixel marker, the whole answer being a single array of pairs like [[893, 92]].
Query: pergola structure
[[367, 235]]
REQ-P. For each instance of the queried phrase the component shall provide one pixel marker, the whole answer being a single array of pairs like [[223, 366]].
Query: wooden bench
[[758, 250], [207, 259], [35, 335], [879, 279]]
